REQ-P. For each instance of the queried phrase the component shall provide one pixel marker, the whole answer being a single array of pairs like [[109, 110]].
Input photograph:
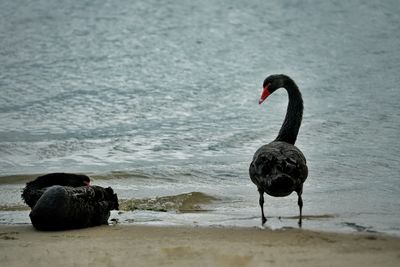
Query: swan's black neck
[[294, 114]]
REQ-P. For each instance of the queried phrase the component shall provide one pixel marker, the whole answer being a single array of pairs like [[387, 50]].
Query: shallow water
[[159, 98]]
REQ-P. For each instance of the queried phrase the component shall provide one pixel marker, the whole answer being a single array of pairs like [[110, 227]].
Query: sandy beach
[[120, 245]]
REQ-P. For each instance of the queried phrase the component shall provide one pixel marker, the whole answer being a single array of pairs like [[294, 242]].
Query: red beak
[[264, 94]]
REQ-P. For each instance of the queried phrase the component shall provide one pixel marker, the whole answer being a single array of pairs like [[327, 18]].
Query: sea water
[[158, 99]]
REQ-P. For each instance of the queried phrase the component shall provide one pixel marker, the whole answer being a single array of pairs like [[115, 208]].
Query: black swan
[[62, 207], [34, 189], [279, 168]]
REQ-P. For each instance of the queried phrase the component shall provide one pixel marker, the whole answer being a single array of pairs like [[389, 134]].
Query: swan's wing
[[278, 157], [94, 196], [95, 202]]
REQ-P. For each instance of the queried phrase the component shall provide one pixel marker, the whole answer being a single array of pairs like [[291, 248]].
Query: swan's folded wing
[[278, 157], [94, 195]]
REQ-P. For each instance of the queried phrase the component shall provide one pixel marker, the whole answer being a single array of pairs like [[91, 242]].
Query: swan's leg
[[300, 203], [261, 201]]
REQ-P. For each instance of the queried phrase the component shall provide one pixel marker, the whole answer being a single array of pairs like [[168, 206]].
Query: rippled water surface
[[159, 98]]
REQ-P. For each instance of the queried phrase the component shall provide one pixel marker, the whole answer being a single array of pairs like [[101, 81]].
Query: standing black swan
[[279, 168], [64, 203]]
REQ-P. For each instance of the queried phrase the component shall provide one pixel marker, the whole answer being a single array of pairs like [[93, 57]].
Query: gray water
[[159, 98]]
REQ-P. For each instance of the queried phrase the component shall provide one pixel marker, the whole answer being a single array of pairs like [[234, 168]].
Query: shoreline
[[143, 245]]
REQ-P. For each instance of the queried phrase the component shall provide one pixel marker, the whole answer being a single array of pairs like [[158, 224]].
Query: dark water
[[159, 98]]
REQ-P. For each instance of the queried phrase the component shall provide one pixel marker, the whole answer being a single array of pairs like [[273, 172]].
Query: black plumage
[[65, 207], [34, 189], [58, 202], [279, 168]]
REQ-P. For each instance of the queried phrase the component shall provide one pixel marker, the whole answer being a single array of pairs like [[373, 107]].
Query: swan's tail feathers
[[280, 185], [112, 199]]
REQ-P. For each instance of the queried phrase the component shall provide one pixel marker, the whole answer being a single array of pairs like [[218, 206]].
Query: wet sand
[[120, 245]]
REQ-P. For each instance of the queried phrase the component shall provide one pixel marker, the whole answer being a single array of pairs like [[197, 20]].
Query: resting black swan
[[61, 207], [34, 189], [279, 168]]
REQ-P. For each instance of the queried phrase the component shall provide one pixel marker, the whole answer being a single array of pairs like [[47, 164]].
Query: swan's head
[[75, 180], [271, 84]]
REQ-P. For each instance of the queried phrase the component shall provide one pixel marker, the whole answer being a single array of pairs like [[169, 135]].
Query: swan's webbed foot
[[263, 220]]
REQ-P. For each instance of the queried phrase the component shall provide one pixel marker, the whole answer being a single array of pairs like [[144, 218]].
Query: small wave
[[17, 179], [121, 175], [16, 207], [136, 175], [188, 202], [311, 217], [359, 228]]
